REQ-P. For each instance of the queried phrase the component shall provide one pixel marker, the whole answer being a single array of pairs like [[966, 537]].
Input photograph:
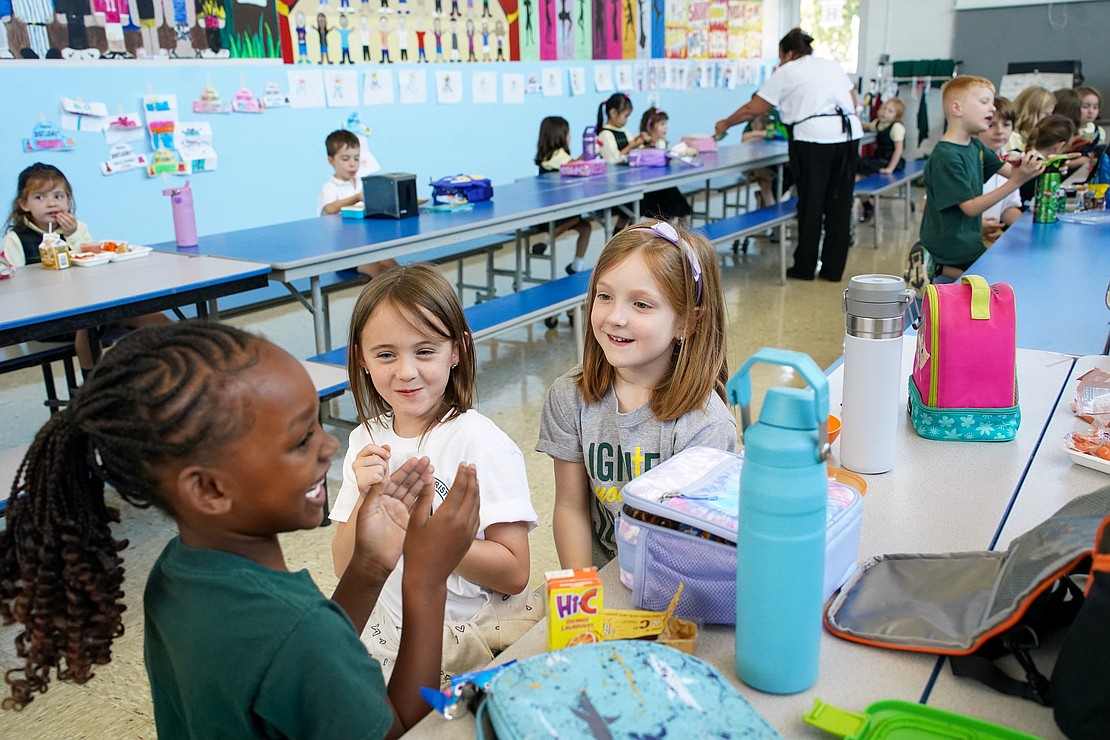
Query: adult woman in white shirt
[[817, 103]]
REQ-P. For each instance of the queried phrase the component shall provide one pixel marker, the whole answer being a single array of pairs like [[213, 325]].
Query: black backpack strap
[[1053, 610]]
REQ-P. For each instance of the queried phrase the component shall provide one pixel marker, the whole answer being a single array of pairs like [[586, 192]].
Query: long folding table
[[940, 497]]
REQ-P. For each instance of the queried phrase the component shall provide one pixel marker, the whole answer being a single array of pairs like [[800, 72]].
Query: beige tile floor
[[514, 372]]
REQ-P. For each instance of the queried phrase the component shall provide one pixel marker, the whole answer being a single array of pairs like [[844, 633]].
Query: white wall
[[925, 29]]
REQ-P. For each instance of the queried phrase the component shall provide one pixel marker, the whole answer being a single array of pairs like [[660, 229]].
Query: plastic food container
[[901, 719], [89, 259]]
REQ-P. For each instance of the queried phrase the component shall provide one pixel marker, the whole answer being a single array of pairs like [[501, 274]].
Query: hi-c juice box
[[574, 607]]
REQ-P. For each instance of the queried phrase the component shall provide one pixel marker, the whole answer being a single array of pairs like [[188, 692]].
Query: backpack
[[978, 607], [460, 189], [964, 380], [618, 689]]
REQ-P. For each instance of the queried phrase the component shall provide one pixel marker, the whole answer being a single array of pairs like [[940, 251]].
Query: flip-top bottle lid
[[876, 296]]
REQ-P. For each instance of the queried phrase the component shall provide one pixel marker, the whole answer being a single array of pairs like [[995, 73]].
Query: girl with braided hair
[[219, 429]]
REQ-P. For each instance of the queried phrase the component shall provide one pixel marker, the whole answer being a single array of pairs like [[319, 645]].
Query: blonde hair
[[898, 106], [958, 86], [1028, 107], [428, 303], [698, 364]]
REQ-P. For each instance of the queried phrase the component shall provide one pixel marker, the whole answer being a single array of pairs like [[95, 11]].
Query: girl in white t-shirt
[[411, 364]]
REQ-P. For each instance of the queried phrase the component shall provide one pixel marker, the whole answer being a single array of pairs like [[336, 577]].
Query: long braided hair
[[162, 394]]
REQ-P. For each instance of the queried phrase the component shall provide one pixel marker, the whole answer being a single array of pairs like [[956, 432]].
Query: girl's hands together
[[371, 466], [436, 543], [384, 517]]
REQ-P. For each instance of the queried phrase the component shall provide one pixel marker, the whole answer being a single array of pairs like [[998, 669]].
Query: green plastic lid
[[892, 719]]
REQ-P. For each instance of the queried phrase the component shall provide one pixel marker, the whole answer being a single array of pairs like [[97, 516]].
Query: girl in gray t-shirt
[[651, 382]]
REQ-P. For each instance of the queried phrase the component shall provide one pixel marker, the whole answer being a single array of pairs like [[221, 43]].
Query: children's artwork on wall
[[165, 162], [47, 137], [603, 78], [77, 115], [449, 88], [123, 128], [121, 158], [193, 142], [623, 76], [412, 86], [377, 87], [81, 31], [532, 84], [411, 31], [484, 87], [552, 82], [341, 88], [657, 75], [367, 162], [640, 71], [274, 97], [161, 118], [577, 81], [512, 88], [245, 102], [210, 102], [306, 88]]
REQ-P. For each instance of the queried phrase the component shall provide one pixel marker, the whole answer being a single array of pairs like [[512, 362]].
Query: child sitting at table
[[410, 360], [890, 138], [344, 187], [220, 430], [44, 203], [765, 127], [667, 204], [1030, 106], [651, 382], [1008, 210], [951, 227], [552, 152], [1048, 138]]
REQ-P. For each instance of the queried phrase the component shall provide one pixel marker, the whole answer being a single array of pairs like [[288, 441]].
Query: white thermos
[[874, 307]]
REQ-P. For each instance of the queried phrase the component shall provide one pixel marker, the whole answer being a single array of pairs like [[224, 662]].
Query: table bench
[[277, 294], [43, 354], [509, 312], [878, 184], [752, 222]]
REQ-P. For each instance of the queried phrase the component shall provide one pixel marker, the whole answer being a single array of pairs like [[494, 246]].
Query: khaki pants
[[467, 646]]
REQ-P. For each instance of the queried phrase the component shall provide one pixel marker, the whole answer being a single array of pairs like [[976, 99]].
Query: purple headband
[[664, 230]]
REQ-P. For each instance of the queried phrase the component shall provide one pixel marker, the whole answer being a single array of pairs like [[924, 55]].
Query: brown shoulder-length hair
[[424, 298], [698, 363]]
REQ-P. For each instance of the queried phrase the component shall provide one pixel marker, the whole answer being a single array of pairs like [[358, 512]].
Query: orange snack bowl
[[834, 428]]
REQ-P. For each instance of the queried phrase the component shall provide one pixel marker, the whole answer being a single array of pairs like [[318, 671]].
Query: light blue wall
[[271, 165]]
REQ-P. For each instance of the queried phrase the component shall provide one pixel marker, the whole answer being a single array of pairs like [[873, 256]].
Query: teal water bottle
[[780, 544]]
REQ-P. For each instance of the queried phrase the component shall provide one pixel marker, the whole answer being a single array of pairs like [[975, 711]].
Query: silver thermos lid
[[874, 306]]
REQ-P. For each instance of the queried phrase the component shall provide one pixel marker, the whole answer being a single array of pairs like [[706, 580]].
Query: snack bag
[[6, 268], [1092, 398]]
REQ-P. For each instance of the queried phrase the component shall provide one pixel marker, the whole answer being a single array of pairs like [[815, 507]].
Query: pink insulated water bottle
[[589, 143], [184, 217]]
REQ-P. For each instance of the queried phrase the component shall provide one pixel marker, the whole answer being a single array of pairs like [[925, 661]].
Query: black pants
[[824, 176]]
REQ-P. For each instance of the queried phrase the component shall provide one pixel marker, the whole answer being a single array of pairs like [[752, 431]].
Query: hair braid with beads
[[165, 393]]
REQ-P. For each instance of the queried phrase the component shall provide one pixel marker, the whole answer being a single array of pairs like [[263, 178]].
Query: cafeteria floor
[[514, 372]]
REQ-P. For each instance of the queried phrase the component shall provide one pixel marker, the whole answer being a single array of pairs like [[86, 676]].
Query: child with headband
[[651, 382]]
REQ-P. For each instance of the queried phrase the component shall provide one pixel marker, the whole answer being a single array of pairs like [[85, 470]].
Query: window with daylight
[[834, 25]]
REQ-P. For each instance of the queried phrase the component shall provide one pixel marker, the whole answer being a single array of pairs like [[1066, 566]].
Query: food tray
[[1089, 461], [134, 253], [89, 259]]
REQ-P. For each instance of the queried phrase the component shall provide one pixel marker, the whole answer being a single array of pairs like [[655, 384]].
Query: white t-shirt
[[810, 86], [335, 189], [1012, 200], [502, 481]]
